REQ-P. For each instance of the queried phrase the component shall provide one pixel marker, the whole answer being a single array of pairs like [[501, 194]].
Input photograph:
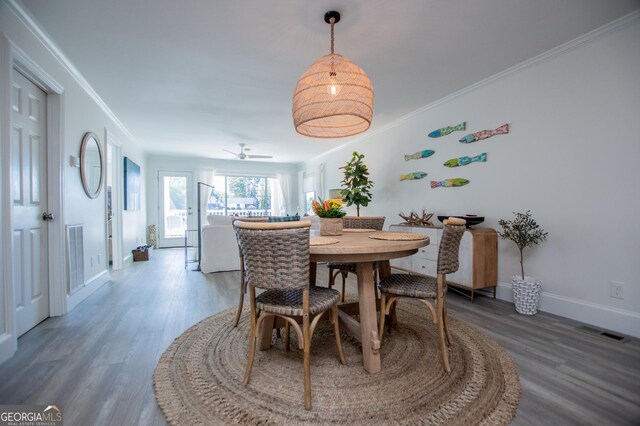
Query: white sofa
[[219, 245]]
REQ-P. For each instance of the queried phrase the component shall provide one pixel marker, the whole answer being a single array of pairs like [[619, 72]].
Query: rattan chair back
[[245, 219], [448, 253], [275, 258], [363, 222]]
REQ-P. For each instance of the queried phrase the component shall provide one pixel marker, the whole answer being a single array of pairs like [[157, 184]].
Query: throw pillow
[[284, 218]]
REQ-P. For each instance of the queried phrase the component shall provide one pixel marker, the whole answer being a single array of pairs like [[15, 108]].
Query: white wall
[[80, 113], [156, 163], [572, 158]]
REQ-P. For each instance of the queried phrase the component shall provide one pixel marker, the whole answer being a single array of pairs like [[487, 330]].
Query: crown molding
[[556, 51], [16, 7]]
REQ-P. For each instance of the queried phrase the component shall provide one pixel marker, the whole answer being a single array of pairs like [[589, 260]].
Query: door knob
[[47, 216]]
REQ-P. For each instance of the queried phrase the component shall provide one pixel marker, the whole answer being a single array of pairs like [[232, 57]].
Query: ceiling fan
[[242, 155]]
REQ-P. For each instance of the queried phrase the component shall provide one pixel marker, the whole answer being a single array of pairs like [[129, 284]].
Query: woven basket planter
[[526, 294], [330, 226]]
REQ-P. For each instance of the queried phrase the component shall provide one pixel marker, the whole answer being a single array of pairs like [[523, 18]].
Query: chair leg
[[243, 291], [393, 318], [286, 336], [252, 340], [383, 301], [336, 331], [344, 284], [307, 350], [332, 278], [444, 350], [446, 323]]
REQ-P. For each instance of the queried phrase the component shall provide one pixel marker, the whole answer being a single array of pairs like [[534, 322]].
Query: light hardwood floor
[[98, 360]]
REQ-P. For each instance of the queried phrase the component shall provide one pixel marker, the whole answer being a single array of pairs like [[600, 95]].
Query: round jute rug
[[198, 380]]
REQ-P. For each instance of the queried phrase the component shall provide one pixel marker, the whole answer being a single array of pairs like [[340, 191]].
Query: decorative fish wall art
[[420, 154], [485, 134], [446, 130], [448, 183], [463, 161], [413, 176]]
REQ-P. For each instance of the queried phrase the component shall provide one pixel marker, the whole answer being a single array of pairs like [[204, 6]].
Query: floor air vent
[[607, 334]]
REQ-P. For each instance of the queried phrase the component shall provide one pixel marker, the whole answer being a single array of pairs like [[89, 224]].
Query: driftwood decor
[[414, 219]]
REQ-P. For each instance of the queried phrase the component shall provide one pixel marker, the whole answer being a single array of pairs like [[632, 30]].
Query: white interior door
[[176, 207], [29, 193]]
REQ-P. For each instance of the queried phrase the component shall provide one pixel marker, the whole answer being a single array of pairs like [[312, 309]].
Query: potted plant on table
[[356, 184], [330, 213], [525, 232]]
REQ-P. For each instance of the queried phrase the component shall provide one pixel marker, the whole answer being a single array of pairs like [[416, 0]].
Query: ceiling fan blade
[[230, 152], [259, 156]]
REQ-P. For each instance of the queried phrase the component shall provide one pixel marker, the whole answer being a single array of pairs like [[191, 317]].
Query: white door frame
[[116, 199], [13, 58]]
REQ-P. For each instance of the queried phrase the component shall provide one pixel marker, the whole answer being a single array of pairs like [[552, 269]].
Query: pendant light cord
[[332, 21]]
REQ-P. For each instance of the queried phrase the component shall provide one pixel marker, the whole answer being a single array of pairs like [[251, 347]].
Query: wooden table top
[[358, 247]]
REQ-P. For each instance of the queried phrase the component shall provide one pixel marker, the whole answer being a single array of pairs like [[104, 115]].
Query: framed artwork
[[131, 185]]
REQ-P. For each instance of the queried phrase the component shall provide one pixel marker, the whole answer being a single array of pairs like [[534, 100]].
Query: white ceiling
[[194, 77]]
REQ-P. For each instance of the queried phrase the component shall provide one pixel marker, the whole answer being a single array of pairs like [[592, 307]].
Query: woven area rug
[[198, 380]]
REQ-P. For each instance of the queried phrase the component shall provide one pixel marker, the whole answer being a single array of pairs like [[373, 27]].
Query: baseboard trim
[[8, 346], [127, 260], [603, 316], [92, 285]]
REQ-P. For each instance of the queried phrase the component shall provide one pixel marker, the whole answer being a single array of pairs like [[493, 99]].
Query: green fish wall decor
[[463, 161], [448, 183], [446, 130], [420, 154], [413, 176]]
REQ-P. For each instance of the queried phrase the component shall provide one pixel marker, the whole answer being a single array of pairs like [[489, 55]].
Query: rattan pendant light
[[334, 97]]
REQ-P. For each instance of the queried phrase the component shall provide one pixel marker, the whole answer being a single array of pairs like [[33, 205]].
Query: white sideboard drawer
[[425, 266], [429, 252], [403, 262]]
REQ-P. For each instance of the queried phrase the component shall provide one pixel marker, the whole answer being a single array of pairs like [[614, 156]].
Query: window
[[241, 196], [308, 198]]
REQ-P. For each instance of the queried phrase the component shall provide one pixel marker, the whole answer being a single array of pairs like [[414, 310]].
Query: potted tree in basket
[[330, 213], [525, 232], [356, 184]]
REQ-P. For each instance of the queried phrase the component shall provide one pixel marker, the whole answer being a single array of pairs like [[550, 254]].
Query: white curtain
[[301, 201], [204, 176], [285, 190], [277, 200]]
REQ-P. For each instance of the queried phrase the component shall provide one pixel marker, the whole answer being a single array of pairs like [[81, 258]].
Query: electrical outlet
[[616, 290]]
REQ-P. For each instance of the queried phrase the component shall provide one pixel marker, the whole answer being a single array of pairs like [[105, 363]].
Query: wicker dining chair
[[276, 259], [425, 288], [344, 269], [243, 282]]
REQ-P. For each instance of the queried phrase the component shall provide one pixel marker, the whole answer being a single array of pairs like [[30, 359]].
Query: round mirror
[[91, 165]]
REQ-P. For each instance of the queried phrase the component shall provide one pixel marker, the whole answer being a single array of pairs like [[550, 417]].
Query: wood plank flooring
[[97, 361]]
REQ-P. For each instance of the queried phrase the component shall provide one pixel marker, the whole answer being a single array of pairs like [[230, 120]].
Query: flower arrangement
[[330, 209]]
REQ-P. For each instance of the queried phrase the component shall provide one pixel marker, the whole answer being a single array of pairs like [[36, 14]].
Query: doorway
[[30, 213], [175, 207]]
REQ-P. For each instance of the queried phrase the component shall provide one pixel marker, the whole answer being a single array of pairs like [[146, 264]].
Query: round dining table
[[357, 247]]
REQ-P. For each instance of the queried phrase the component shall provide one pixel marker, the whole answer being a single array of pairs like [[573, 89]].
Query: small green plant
[[524, 231], [356, 186]]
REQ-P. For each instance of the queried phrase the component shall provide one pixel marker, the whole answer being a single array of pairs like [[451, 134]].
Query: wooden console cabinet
[[478, 257]]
